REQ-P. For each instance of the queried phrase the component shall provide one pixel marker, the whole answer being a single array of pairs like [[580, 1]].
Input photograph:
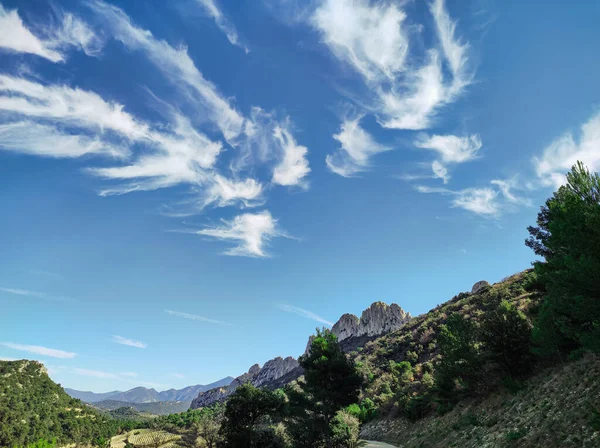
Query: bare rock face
[[378, 319], [271, 371], [479, 286]]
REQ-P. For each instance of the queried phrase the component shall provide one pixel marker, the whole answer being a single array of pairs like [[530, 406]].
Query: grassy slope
[[554, 410]]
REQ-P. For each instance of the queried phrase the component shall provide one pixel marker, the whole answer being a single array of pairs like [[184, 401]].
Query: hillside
[[33, 407], [559, 407], [416, 341]]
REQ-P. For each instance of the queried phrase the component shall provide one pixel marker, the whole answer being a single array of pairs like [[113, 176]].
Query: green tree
[[567, 236], [209, 424], [330, 384], [459, 366], [506, 333], [248, 416]]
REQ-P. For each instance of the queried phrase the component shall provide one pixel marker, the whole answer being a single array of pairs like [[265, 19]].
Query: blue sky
[[188, 188]]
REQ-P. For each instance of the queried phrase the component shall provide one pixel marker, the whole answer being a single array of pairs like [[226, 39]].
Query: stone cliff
[[352, 332]]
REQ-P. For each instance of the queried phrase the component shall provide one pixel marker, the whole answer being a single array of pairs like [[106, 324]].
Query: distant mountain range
[[145, 395]]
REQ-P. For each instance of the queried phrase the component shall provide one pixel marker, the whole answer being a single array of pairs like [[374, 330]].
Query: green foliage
[[331, 383], [567, 236], [247, 418], [365, 411], [33, 409], [506, 333], [460, 362], [344, 430], [42, 443], [516, 435]]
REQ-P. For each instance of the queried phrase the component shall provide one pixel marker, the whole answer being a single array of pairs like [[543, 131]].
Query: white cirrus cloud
[[369, 36], [355, 151], [558, 157], [195, 317], [129, 374], [508, 188], [38, 139], [177, 67], [481, 201], [304, 313], [130, 342], [373, 37], [40, 350], [73, 32], [451, 149], [252, 232], [211, 8], [36, 294], [178, 375], [95, 373], [293, 166]]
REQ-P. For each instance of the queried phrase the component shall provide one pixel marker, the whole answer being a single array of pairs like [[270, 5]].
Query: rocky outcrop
[[257, 376], [479, 286], [351, 331]]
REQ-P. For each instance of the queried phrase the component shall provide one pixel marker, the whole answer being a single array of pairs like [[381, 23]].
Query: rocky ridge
[[376, 320], [257, 376]]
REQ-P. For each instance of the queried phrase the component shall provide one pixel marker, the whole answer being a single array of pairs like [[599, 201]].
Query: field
[[146, 438]]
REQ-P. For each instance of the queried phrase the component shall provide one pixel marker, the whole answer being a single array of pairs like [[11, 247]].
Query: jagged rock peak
[[257, 376], [379, 318]]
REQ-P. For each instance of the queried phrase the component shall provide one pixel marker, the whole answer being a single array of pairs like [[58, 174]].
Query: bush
[[344, 430]]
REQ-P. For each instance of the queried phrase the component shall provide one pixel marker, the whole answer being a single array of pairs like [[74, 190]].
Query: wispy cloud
[[36, 294], [178, 375], [195, 317], [95, 373], [304, 313], [481, 201], [177, 66], [130, 342], [39, 350], [373, 38], [558, 158], [356, 148], [129, 374], [73, 32], [251, 232], [451, 150], [211, 8]]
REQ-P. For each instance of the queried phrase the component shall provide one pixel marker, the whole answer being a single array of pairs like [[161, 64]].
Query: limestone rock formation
[[257, 376], [479, 286], [376, 320]]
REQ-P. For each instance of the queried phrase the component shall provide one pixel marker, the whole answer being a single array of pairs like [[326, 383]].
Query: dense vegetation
[[34, 409]]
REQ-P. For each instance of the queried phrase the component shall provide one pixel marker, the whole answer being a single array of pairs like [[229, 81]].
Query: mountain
[[155, 408], [352, 332], [34, 407], [90, 397], [145, 395]]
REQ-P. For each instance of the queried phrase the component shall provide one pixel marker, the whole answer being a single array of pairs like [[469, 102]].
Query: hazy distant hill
[[145, 395], [156, 408]]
